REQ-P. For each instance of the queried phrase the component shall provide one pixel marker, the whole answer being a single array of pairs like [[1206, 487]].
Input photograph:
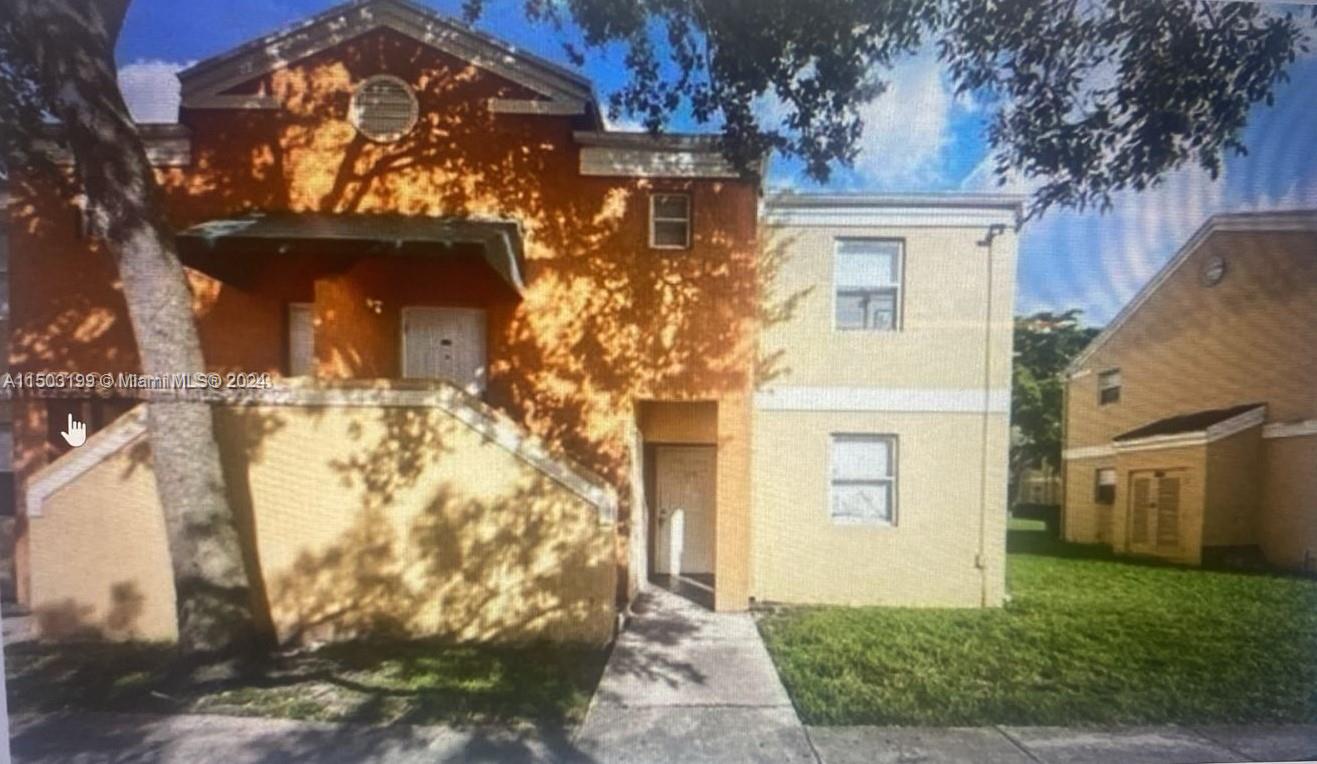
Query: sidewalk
[[1065, 745], [687, 685], [652, 734]]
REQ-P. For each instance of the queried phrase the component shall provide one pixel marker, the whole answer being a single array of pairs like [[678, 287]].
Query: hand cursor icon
[[76, 434]]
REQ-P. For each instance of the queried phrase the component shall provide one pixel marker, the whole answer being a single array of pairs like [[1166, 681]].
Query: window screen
[[863, 480], [867, 280], [669, 221]]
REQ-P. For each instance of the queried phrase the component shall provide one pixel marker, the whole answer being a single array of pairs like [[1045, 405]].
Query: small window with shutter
[[1104, 486], [669, 221], [1108, 387]]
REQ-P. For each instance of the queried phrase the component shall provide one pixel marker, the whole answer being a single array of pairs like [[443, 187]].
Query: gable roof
[[560, 90], [1278, 221]]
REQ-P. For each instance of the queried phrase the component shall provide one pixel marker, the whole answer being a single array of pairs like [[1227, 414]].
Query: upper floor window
[[383, 108], [863, 479], [1104, 486], [867, 282], [1108, 386], [669, 221]]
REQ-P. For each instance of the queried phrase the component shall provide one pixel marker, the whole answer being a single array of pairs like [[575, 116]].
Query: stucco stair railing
[[493, 425]]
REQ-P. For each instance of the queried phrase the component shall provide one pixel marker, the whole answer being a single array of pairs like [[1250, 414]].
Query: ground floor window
[[863, 479], [1104, 485]]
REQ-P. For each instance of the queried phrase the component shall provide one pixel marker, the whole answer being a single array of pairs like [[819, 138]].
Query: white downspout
[[980, 560]]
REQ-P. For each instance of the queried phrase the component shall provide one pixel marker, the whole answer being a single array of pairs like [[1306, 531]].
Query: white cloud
[[908, 128], [150, 89]]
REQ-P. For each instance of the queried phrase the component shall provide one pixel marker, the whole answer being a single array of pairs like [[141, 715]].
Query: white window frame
[[654, 218], [898, 318], [1102, 386], [894, 452]]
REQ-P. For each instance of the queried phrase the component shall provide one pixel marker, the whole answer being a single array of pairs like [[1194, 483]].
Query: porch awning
[[1198, 421], [498, 240]]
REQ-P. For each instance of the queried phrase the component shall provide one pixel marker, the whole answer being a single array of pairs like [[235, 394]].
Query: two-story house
[[1191, 420], [881, 424], [496, 365]]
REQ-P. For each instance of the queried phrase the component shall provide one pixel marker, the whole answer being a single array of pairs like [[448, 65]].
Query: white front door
[[684, 527], [445, 343]]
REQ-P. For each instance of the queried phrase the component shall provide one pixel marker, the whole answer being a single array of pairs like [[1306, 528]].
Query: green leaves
[[1045, 343], [1086, 98]]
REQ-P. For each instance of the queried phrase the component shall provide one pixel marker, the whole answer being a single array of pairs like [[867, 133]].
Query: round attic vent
[[1213, 270], [383, 108]]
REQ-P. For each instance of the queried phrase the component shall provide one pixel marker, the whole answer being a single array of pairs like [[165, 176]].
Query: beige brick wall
[[1190, 348], [367, 520], [1289, 492]]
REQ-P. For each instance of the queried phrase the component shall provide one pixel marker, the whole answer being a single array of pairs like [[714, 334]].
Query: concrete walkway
[[687, 685], [93, 738]]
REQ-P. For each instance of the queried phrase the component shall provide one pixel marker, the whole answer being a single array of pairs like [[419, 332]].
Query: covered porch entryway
[[360, 296]]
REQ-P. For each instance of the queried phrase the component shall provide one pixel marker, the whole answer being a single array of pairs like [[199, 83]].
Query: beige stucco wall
[[1289, 492], [98, 557], [924, 383], [941, 342], [367, 520], [926, 559]]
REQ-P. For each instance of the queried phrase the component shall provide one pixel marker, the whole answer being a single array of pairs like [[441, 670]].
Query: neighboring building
[[1191, 421], [881, 423], [513, 359], [1039, 486]]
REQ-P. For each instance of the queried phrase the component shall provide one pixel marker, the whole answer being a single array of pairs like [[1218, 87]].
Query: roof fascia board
[[1284, 221], [882, 216]]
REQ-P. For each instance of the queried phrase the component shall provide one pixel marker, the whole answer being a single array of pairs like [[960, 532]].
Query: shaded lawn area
[[414, 682], [1086, 639]]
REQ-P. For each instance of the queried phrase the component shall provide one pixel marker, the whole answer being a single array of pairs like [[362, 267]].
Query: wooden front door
[[445, 343], [684, 521], [1155, 516]]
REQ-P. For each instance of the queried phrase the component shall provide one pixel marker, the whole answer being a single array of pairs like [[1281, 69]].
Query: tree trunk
[[71, 44]]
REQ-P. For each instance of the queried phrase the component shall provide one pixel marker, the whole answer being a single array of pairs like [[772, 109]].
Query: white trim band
[[654, 163], [930, 216], [1088, 452], [123, 432], [1290, 429], [913, 400], [465, 408]]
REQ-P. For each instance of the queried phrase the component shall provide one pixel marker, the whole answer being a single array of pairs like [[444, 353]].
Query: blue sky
[[918, 137]]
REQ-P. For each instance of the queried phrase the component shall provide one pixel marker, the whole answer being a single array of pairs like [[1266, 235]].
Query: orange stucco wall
[[605, 321]]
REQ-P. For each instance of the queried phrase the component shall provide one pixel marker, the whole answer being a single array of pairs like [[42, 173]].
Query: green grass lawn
[[417, 682], [1086, 638]]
